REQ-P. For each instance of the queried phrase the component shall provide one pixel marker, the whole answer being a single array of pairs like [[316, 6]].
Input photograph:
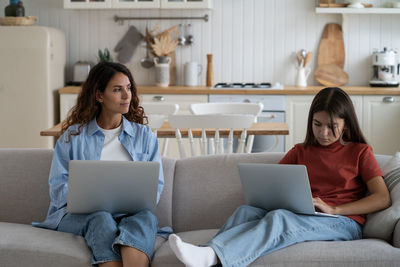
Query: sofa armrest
[[396, 235]]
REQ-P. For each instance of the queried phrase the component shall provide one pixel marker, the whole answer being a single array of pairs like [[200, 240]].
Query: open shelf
[[344, 10]]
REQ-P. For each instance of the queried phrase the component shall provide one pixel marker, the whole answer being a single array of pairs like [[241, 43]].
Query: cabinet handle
[[270, 116], [158, 98], [246, 100], [388, 99]]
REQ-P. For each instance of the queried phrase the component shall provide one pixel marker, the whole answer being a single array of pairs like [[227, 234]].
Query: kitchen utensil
[[299, 58], [210, 71], [331, 75], [181, 37], [308, 58], [126, 47], [192, 72], [303, 53], [147, 62], [331, 47]]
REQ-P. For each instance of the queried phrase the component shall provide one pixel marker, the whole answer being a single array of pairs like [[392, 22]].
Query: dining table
[[165, 131]]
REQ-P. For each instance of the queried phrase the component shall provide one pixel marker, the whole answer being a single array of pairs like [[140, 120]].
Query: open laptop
[[113, 186], [278, 186]]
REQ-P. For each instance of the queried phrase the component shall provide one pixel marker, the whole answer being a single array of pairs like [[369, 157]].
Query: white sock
[[190, 255]]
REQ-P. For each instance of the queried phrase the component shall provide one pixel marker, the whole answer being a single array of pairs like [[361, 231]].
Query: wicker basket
[[18, 21]]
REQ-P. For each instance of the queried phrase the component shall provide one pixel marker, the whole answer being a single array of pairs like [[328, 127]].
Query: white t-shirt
[[113, 149]]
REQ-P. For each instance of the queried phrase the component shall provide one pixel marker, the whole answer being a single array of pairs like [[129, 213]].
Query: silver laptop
[[278, 186], [113, 186]]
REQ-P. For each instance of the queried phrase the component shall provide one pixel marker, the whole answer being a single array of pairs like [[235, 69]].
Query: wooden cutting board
[[331, 75], [331, 46]]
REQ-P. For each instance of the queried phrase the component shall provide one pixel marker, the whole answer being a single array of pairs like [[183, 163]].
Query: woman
[[340, 165], [106, 124]]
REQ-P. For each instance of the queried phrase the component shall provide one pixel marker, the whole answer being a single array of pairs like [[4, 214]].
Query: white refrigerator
[[32, 66]]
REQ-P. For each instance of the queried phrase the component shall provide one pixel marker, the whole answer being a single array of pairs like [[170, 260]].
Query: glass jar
[[11, 9], [20, 11]]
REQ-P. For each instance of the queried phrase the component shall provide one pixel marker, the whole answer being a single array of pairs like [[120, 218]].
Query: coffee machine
[[386, 68]]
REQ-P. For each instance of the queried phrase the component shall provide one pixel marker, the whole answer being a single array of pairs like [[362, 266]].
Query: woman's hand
[[322, 206], [378, 199]]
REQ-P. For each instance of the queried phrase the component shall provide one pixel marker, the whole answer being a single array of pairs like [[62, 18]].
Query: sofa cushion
[[164, 207], [24, 245], [366, 252], [381, 224], [207, 189], [24, 190]]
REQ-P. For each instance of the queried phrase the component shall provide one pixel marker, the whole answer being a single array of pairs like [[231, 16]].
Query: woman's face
[[321, 127], [117, 95]]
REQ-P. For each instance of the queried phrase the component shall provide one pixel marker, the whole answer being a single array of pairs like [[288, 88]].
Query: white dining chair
[[199, 125], [230, 108], [157, 114]]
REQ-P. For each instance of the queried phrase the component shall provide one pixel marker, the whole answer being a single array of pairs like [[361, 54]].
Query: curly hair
[[87, 107], [336, 103]]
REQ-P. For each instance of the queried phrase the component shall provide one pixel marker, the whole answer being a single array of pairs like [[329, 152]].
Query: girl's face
[[117, 95], [321, 127]]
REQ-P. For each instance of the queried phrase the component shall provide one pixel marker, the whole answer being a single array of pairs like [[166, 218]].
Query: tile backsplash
[[251, 40]]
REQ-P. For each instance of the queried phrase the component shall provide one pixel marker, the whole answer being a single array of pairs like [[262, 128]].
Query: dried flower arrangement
[[164, 45]]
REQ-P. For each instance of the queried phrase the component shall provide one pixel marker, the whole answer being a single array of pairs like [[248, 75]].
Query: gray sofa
[[200, 194]]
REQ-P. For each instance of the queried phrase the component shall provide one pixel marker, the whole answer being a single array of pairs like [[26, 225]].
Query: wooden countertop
[[288, 90], [258, 128]]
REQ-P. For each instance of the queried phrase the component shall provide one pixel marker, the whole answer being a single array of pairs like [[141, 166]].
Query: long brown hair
[[336, 103], [87, 107]]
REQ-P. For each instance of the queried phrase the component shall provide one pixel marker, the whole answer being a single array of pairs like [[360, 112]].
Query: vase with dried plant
[[162, 47], [163, 44]]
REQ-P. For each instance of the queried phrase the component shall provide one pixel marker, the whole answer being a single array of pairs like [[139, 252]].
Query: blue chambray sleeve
[[58, 184], [58, 180], [154, 153]]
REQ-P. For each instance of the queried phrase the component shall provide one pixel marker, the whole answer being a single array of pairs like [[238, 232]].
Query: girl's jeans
[[104, 233], [252, 232]]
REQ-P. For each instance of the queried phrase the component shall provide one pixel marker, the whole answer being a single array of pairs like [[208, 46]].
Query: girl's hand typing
[[322, 206]]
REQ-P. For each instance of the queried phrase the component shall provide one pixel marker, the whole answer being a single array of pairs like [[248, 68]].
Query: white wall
[[251, 40]]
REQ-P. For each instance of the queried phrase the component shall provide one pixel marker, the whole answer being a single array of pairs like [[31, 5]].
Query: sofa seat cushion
[[24, 245], [365, 252]]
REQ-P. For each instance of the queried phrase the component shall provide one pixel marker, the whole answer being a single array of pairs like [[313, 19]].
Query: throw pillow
[[381, 224]]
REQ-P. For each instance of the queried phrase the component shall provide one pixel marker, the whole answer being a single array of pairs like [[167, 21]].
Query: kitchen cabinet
[[87, 4], [382, 123], [189, 4], [67, 101], [164, 4], [297, 108], [135, 3]]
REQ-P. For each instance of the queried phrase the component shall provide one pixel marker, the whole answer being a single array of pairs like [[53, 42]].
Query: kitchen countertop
[[288, 90]]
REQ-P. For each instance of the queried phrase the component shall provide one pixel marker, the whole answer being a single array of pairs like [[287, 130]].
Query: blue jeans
[[252, 232], [104, 233]]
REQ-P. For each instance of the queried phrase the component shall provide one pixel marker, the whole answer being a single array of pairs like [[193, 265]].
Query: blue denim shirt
[[137, 139]]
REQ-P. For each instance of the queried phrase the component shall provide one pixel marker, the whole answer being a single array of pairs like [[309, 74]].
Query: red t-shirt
[[337, 173]]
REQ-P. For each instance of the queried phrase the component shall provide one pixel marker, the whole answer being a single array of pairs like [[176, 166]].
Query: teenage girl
[[341, 168], [106, 124]]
